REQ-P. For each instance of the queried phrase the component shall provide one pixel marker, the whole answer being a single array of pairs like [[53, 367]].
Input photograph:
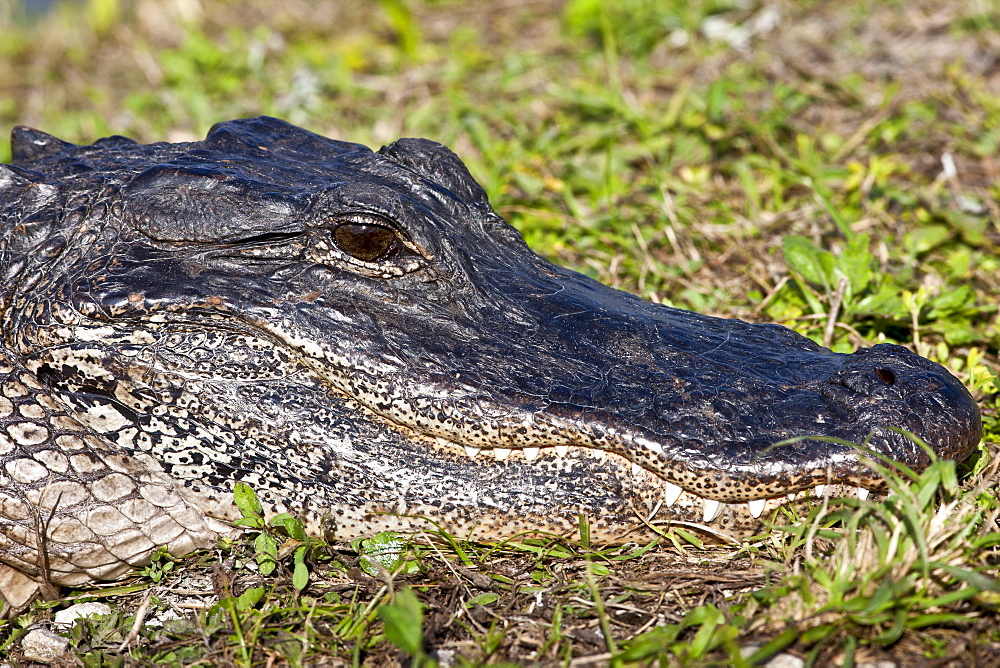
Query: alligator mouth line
[[672, 495]]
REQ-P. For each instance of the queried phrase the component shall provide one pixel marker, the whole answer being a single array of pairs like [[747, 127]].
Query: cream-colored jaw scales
[[74, 508]]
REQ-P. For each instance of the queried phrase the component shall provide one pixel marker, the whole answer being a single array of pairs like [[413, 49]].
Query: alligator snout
[[738, 412], [894, 388]]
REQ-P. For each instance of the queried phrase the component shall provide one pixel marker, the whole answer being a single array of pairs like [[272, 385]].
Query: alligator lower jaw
[[667, 502]]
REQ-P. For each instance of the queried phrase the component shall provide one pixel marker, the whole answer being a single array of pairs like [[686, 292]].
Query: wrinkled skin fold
[[359, 337]]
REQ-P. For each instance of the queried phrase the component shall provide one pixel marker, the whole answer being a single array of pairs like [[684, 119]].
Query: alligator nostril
[[885, 375]]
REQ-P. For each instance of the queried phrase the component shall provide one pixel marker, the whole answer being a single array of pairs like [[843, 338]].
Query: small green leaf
[[927, 237], [895, 631], [403, 620], [953, 596], [386, 549], [483, 599], [717, 101], [292, 525], [584, 526], [265, 544], [651, 643], [250, 522], [949, 302], [773, 646], [300, 574], [689, 537], [856, 263], [817, 633], [249, 598], [958, 333], [246, 500], [886, 302], [707, 618], [814, 265], [971, 228], [267, 553], [598, 569], [971, 578], [883, 598]]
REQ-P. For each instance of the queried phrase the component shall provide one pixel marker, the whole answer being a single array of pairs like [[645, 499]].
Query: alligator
[[359, 337]]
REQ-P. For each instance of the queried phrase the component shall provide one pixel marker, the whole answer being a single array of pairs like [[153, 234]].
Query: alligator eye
[[368, 243]]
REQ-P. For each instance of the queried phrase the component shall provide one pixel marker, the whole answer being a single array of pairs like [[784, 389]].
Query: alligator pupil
[[365, 242]]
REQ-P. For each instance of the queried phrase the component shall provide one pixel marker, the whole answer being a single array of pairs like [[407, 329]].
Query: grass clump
[[909, 570], [893, 567]]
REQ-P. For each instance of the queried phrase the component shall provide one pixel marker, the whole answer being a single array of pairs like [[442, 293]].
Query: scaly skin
[[360, 338]]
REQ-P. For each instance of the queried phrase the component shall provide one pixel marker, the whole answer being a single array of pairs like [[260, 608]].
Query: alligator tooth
[[471, 451], [819, 490], [791, 497], [636, 469], [671, 493], [530, 454], [713, 509], [562, 450], [862, 493], [756, 506], [501, 453]]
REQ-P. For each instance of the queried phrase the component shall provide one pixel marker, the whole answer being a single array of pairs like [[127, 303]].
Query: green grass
[[804, 180]]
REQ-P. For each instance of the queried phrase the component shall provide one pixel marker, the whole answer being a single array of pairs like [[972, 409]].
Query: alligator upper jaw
[[729, 411]]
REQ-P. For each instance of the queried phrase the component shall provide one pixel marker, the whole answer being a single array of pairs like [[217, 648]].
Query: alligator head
[[361, 338]]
